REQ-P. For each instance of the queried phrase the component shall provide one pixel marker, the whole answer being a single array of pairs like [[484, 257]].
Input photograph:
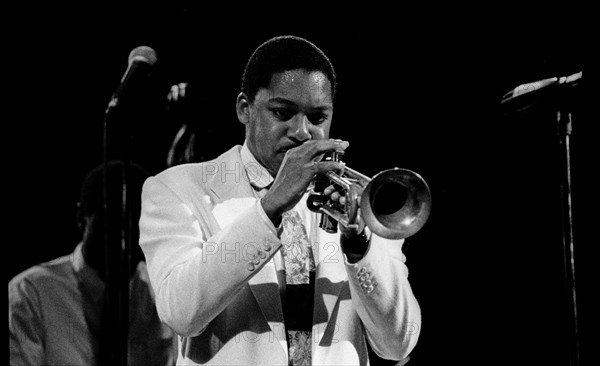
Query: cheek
[[265, 127], [273, 131]]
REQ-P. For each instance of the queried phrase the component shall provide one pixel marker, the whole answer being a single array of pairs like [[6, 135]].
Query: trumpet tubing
[[394, 204]]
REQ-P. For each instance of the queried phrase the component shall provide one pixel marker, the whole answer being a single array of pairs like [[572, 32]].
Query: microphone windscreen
[[143, 53], [531, 87]]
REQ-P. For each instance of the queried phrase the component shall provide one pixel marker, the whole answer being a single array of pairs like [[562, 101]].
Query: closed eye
[[317, 118], [282, 114]]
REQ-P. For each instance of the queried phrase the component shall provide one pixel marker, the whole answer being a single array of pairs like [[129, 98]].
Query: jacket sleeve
[[195, 277], [384, 300]]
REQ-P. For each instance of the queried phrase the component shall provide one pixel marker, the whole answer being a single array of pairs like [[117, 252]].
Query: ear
[[242, 107]]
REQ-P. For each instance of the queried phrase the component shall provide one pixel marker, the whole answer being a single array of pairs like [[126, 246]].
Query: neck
[[94, 257]]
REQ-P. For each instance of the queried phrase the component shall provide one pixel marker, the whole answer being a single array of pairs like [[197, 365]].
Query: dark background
[[416, 90]]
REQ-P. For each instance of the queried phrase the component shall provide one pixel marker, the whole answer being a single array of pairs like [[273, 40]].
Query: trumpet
[[394, 204]]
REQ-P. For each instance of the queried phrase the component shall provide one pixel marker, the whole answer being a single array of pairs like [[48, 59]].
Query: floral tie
[[298, 302]]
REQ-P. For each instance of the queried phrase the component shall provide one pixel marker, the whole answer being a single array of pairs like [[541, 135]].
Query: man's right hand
[[298, 168]]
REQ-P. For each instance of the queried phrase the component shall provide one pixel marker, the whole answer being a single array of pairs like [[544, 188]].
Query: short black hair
[[283, 53], [92, 190]]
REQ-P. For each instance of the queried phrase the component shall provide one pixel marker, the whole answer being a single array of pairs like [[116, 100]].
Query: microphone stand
[[119, 220], [564, 128], [560, 92], [117, 258]]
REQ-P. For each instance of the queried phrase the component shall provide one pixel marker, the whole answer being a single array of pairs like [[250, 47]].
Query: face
[[94, 241], [297, 107]]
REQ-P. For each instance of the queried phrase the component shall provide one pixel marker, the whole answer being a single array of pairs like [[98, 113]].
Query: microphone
[[141, 60], [528, 95]]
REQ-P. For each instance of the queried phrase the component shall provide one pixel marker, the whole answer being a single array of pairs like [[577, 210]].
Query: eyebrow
[[280, 100]]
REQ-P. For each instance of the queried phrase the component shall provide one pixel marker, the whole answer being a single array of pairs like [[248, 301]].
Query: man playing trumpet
[[241, 270]]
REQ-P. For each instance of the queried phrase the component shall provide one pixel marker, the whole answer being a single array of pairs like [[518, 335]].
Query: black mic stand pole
[[564, 128], [561, 91], [117, 234]]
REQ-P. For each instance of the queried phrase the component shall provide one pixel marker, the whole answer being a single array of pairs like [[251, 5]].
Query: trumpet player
[[241, 270]]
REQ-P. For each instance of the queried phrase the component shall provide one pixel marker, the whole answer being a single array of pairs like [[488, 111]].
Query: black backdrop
[[419, 91]]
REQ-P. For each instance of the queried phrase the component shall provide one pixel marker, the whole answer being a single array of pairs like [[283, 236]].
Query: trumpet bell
[[396, 203]]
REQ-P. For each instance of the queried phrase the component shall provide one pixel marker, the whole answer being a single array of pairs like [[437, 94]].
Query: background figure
[[196, 139], [182, 149], [56, 309]]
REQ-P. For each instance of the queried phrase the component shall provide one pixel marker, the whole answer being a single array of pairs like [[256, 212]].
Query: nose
[[299, 129]]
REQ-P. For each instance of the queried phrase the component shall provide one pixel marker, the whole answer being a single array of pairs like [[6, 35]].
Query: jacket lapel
[[266, 290], [231, 187], [226, 179], [330, 277]]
